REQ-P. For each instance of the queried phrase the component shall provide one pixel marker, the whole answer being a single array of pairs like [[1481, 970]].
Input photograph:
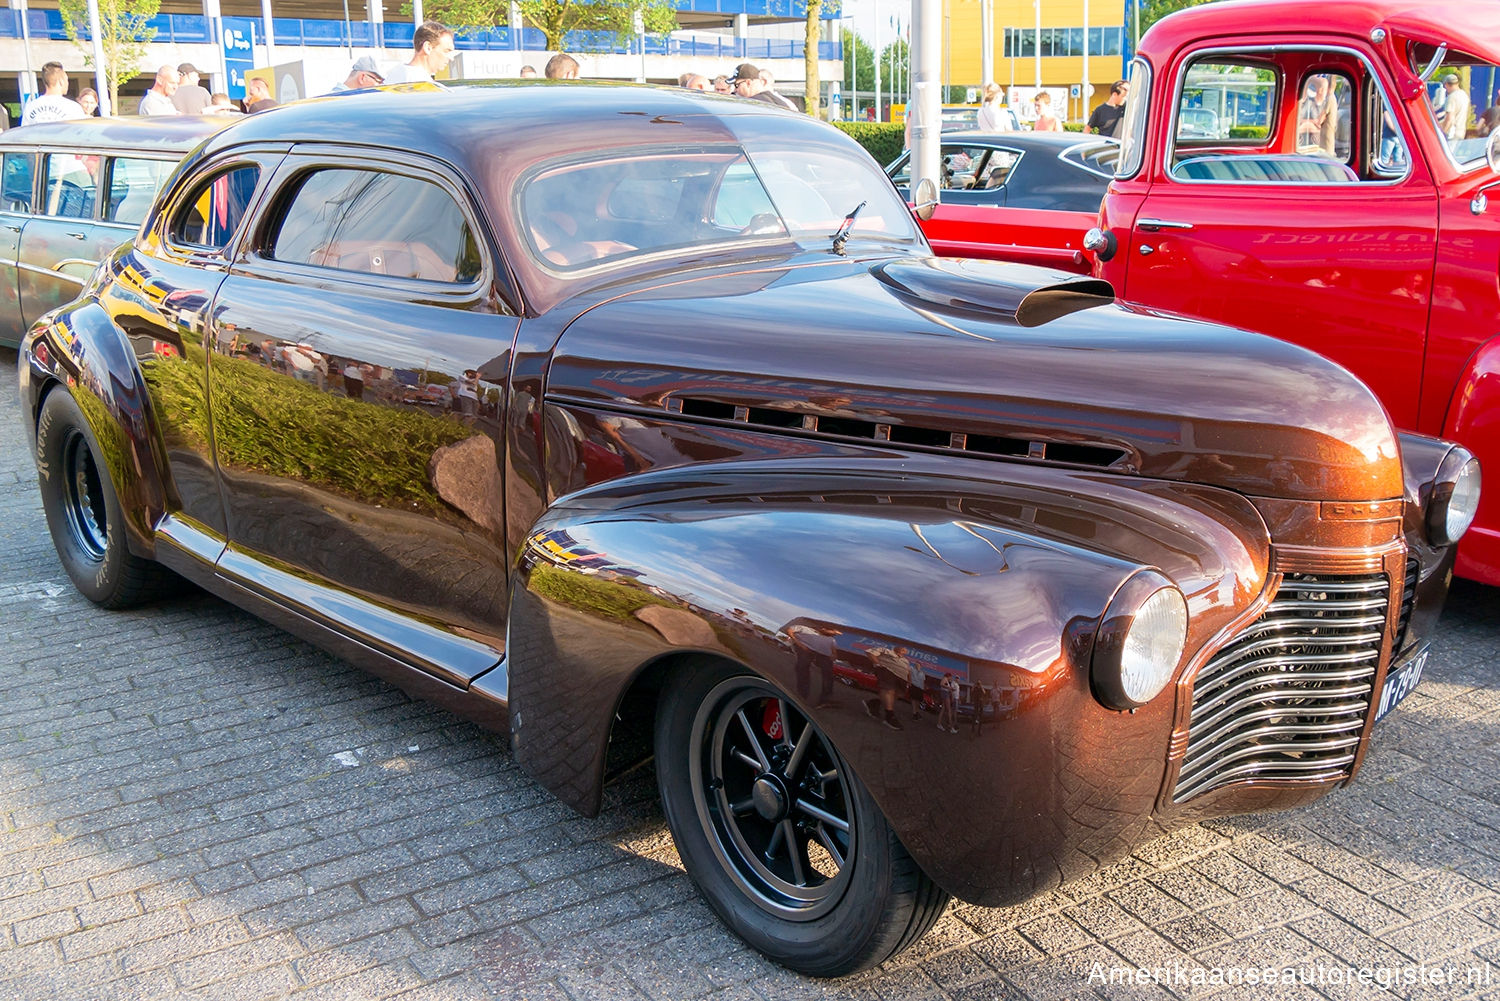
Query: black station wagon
[[628, 419]]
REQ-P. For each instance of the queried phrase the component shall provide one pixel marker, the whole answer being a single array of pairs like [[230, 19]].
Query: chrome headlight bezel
[[1454, 499], [1141, 639]]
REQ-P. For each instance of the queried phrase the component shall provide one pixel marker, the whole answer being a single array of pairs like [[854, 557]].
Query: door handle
[[13, 229], [76, 236], [1155, 224], [1146, 249]]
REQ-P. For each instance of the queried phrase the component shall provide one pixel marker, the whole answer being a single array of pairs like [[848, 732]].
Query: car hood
[[988, 360]]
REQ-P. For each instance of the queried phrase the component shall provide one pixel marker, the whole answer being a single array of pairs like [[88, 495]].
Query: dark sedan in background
[[1016, 196]]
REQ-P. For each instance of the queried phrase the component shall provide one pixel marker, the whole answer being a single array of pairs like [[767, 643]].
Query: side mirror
[[1492, 151], [925, 199]]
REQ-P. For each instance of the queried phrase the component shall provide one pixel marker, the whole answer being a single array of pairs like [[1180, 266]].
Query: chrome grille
[[1287, 698]]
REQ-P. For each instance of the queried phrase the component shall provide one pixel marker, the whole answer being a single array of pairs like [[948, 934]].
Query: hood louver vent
[[1075, 453]]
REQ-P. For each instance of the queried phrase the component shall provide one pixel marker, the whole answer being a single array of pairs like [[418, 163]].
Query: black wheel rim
[[83, 497], [773, 797]]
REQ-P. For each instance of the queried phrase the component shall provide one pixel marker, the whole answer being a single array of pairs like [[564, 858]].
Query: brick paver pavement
[[194, 804]]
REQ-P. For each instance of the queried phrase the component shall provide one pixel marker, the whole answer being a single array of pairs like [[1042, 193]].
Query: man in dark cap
[[748, 84], [364, 74], [191, 98]]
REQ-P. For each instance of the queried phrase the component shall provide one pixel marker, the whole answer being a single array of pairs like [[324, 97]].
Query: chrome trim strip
[[80, 282]]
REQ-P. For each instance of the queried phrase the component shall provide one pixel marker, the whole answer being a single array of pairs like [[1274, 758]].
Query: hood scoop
[[989, 287]]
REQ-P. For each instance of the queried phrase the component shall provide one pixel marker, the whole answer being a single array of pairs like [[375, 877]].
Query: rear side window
[[373, 222], [16, 173], [211, 215], [69, 184], [132, 186]]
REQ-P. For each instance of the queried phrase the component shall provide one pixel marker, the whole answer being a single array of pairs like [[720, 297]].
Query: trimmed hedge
[[882, 140], [1248, 131]]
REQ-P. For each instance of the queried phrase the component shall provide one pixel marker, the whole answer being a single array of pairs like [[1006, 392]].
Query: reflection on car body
[[663, 475]]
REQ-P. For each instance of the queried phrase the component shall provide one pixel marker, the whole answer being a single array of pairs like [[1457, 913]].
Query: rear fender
[[79, 351], [1001, 581]]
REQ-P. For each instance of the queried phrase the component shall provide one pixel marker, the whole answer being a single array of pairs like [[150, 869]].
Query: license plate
[[1400, 682]]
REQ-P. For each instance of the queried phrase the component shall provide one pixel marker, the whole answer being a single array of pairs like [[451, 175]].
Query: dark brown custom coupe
[[625, 419]]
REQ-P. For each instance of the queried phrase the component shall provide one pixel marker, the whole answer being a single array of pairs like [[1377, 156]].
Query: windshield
[[583, 213], [1463, 101]]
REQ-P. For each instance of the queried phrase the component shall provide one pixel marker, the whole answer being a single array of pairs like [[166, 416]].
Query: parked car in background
[[72, 192], [711, 420], [1350, 224], [1017, 196]]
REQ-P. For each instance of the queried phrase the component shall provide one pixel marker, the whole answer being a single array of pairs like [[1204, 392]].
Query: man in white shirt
[[432, 50], [52, 105], [770, 82], [158, 100], [1454, 117]]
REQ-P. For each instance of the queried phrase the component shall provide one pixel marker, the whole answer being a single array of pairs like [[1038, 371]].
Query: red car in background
[[1016, 196], [1335, 207]]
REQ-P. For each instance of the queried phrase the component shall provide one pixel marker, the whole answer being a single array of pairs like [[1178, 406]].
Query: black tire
[[84, 514], [844, 900]]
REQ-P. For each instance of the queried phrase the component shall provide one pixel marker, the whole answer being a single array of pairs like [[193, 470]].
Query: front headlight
[[1455, 497], [1140, 641]]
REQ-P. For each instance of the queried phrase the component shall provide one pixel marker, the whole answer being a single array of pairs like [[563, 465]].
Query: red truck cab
[[1340, 195]]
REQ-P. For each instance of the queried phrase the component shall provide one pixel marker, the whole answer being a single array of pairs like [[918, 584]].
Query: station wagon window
[[68, 185], [375, 222], [583, 212], [132, 186], [16, 174], [209, 217]]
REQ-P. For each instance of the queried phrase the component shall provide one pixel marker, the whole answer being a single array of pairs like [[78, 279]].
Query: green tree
[[814, 36], [555, 18], [895, 70], [123, 37], [859, 64]]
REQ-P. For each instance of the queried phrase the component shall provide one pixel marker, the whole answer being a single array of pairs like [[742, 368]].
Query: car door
[[62, 243], [1304, 227], [17, 183], [161, 296], [359, 356]]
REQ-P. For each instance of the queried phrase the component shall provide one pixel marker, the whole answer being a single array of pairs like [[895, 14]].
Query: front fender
[[1000, 579], [78, 350], [1474, 422]]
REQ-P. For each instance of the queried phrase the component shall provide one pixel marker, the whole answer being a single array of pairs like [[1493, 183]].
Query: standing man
[[432, 50], [770, 82], [158, 100], [364, 74], [562, 67], [190, 98], [1454, 118], [1105, 121], [53, 104], [748, 84], [258, 96]]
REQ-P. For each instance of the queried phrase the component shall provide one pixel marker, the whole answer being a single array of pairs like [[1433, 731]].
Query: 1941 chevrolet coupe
[[678, 435], [1336, 205]]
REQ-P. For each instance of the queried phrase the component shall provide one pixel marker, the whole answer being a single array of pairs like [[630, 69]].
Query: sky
[[860, 16]]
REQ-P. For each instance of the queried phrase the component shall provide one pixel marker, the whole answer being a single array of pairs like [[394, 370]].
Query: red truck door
[[1305, 214]]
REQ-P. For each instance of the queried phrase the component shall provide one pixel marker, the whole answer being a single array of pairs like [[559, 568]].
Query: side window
[[132, 186], [210, 216], [16, 174], [373, 222], [1226, 100], [1132, 130], [901, 176], [1323, 115], [996, 169], [68, 185]]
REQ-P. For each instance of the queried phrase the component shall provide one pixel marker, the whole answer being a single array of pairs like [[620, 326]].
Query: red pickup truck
[[1346, 196]]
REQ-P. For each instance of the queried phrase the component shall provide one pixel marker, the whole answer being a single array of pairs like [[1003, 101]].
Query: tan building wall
[[1018, 73]]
